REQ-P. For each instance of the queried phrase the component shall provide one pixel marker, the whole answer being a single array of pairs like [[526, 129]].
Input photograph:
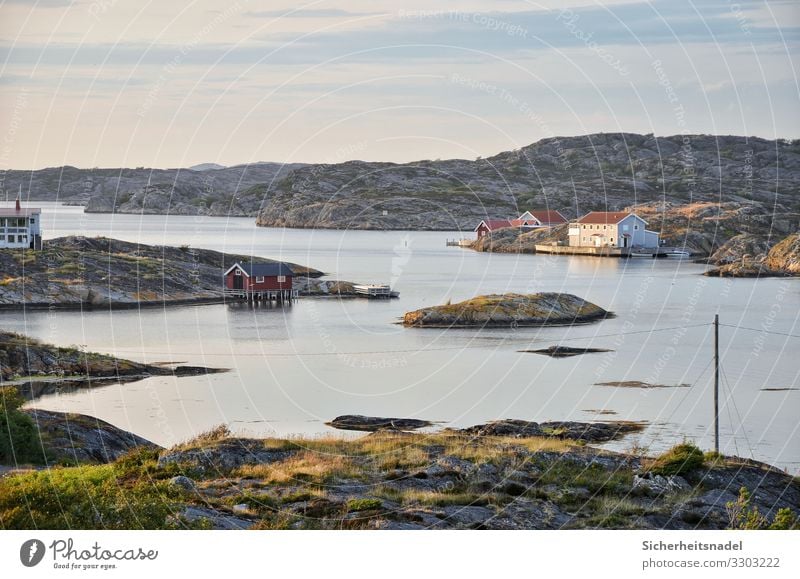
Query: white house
[[612, 229], [20, 227]]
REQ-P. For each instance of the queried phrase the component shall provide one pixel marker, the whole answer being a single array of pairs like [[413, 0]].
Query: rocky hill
[[203, 190], [80, 271], [571, 174]]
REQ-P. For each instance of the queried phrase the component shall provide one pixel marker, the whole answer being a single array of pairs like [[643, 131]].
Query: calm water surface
[[295, 367]]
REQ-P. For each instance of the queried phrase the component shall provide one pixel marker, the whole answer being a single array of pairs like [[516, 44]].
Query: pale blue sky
[[123, 83]]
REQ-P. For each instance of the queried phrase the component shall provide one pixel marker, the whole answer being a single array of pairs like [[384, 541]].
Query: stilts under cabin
[[260, 282]]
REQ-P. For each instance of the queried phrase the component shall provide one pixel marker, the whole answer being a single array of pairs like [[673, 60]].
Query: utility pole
[[716, 383]]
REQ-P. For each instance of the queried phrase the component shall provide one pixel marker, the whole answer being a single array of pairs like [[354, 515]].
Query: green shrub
[[680, 459], [355, 505], [785, 520], [742, 516], [19, 438]]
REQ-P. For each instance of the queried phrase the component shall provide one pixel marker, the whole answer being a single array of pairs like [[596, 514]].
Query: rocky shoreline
[[88, 273], [781, 260], [35, 368], [508, 474], [508, 310], [85, 272]]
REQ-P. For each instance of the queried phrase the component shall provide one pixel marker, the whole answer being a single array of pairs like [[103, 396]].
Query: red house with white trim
[[260, 281]]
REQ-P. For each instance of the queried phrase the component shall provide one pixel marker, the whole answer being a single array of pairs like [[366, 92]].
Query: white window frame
[[281, 279], [259, 279], [237, 271]]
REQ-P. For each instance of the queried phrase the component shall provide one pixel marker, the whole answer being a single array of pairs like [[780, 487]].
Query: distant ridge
[[206, 167], [602, 171]]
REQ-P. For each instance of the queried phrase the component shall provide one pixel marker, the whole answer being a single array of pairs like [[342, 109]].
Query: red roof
[[492, 224], [612, 217], [24, 212], [549, 217]]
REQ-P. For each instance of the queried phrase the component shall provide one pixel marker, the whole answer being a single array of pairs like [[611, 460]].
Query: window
[[636, 227], [259, 279], [281, 279], [237, 272], [605, 226]]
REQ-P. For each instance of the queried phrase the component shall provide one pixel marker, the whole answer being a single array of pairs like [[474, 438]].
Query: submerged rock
[[585, 431], [508, 310], [374, 423], [565, 351]]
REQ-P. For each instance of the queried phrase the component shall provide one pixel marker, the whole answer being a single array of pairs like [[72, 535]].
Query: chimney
[[18, 206]]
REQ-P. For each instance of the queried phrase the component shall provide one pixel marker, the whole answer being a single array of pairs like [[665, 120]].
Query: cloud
[[310, 13], [42, 3]]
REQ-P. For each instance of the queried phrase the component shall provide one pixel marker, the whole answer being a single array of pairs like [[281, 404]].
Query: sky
[[122, 83]]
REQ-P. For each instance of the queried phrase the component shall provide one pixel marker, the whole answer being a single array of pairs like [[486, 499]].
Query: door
[[624, 242], [237, 281]]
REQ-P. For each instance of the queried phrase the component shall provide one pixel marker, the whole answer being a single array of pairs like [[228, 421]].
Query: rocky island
[[508, 310]]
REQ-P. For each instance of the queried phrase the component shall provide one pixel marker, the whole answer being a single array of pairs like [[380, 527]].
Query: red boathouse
[[260, 281]]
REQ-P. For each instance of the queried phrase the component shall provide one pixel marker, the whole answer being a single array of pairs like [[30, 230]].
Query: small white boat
[[678, 254], [641, 254]]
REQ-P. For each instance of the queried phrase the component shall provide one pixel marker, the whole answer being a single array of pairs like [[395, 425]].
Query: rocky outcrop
[[782, 260], [748, 246], [77, 438], [222, 456], [80, 271], [785, 256], [508, 310]]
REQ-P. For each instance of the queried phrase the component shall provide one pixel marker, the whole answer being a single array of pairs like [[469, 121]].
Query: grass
[[680, 459], [131, 493], [306, 467]]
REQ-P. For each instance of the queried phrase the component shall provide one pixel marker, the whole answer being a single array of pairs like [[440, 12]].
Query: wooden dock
[[604, 251], [459, 242], [286, 296]]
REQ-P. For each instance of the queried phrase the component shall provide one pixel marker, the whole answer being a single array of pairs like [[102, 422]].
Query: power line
[[651, 331], [415, 351], [761, 330]]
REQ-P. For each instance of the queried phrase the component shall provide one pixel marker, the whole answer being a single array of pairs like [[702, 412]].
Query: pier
[[280, 296], [606, 251]]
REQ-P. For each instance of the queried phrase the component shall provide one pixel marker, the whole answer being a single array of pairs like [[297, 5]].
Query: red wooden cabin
[[260, 280]]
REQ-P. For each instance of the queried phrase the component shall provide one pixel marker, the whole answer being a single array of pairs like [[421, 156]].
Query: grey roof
[[266, 269]]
